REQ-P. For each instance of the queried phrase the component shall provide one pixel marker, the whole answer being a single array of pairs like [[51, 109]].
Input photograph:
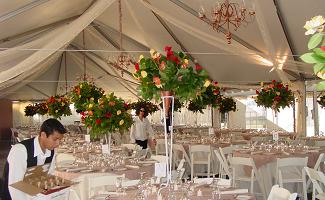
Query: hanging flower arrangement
[[227, 104], [82, 93], [147, 105], [58, 106], [321, 101], [41, 108], [177, 105], [30, 110], [210, 96], [110, 114], [316, 44], [169, 73], [275, 96]]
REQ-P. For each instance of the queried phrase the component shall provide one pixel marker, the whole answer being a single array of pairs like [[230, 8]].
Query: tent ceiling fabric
[[276, 34]]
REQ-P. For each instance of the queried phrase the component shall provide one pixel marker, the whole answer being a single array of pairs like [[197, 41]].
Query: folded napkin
[[236, 191], [221, 182], [132, 166]]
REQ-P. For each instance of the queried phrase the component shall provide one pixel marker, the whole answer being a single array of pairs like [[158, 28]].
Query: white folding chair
[[238, 166], [318, 180], [179, 153], [160, 147], [226, 152], [278, 193], [290, 170], [200, 155], [317, 167], [97, 184], [224, 169]]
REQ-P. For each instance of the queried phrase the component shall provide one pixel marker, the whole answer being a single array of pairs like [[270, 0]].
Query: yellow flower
[[92, 99], [129, 111], [144, 74], [62, 104], [121, 122], [186, 61], [90, 105], [56, 111], [262, 83], [278, 93], [159, 86], [118, 112], [80, 85], [152, 52], [207, 83], [315, 24], [79, 96], [140, 57]]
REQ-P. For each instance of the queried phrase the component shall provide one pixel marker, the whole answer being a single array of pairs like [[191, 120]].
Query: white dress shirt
[[17, 160], [141, 130]]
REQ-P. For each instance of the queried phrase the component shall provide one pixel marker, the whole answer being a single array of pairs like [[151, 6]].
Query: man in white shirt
[[30, 153], [141, 130]]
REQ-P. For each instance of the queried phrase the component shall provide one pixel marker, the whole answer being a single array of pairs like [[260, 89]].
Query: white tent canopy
[[44, 46]]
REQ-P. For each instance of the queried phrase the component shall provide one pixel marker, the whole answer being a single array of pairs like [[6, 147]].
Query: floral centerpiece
[[210, 96], [82, 93], [41, 108], [30, 110], [147, 105], [316, 44], [226, 104], [275, 96], [110, 114], [169, 73], [58, 106], [321, 101], [177, 105]]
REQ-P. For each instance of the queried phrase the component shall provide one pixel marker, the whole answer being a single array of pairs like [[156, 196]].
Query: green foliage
[[169, 73], [83, 93], [147, 105], [108, 115], [30, 110], [227, 104], [210, 96], [177, 105], [58, 106], [42, 108], [275, 96]]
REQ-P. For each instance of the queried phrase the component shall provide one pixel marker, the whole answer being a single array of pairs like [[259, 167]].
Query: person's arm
[[132, 133], [53, 163], [149, 130], [17, 160]]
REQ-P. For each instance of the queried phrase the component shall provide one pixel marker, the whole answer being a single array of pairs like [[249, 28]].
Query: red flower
[[215, 83], [280, 85], [287, 88], [111, 103], [90, 113], [273, 81], [82, 113], [156, 80], [175, 59], [277, 98], [215, 92], [52, 99], [108, 115], [98, 121], [169, 55], [136, 66], [257, 92], [322, 48], [126, 105], [168, 48], [198, 67]]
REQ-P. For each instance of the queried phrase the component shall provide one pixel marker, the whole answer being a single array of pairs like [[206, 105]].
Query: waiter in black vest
[[29, 153]]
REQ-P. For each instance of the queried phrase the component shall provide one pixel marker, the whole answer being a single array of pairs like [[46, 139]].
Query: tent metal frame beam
[[22, 9], [175, 38], [290, 43], [100, 24], [37, 90], [234, 36], [108, 38], [58, 75], [38, 29]]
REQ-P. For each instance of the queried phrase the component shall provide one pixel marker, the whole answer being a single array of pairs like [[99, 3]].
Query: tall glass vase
[[168, 110]]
